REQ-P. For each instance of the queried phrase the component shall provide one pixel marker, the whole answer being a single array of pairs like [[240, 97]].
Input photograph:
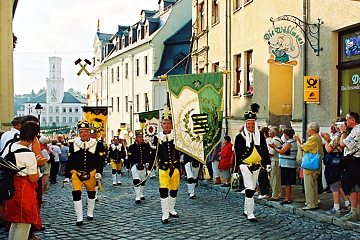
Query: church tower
[[54, 84]]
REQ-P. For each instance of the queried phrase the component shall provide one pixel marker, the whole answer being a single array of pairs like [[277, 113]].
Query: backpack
[[15, 138], [7, 171]]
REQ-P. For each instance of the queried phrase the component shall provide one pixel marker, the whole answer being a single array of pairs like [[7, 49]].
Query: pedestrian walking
[[117, 156]]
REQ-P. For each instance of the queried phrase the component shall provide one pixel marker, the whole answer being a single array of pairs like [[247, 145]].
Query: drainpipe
[[303, 63], [227, 52]]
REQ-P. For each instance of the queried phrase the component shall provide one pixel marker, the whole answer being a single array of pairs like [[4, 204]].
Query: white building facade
[[61, 110], [125, 64]]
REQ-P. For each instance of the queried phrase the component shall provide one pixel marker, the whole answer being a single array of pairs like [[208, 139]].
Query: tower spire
[[98, 25]]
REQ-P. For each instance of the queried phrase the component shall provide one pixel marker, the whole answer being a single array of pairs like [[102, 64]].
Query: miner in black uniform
[[140, 158], [169, 168], [192, 168], [84, 166], [117, 156], [251, 155]]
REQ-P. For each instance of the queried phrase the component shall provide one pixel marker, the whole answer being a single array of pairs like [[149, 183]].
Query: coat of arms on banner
[[149, 121], [97, 117], [196, 105]]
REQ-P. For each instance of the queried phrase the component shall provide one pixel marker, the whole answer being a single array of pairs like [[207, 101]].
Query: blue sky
[[64, 28]]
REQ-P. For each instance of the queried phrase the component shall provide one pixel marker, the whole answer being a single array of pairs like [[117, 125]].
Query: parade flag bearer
[[140, 159], [169, 168], [85, 167]]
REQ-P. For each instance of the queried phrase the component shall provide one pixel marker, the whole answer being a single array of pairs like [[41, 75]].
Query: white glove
[[126, 157], [268, 168], [147, 164], [66, 180], [97, 176], [122, 160], [235, 176]]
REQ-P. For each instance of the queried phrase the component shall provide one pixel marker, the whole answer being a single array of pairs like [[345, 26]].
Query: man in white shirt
[[55, 149], [9, 135]]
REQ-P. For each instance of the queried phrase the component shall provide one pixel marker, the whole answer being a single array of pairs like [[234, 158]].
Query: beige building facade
[[267, 59]]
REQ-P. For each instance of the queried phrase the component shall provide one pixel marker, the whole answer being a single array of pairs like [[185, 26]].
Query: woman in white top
[[22, 209]]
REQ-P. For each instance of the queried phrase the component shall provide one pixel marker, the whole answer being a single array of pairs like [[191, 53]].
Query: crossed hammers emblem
[[87, 62]]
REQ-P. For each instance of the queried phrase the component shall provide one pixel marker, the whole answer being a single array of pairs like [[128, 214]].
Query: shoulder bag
[[311, 161]]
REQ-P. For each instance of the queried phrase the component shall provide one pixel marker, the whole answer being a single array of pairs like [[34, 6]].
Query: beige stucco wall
[[248, 25]]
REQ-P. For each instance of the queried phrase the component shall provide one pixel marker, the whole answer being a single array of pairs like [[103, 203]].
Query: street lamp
[[38, 109]]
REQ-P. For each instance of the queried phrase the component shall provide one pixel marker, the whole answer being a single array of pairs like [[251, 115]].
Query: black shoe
[[119, 183], [114, 184], [174, 215], [90, 218], [192, 197], [165, 221], [142, 198], [137, 201], [226, 185], [79, 223], [41, 229], [252, 219]]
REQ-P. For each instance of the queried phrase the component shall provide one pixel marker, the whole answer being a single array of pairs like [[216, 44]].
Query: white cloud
[[64, 28]]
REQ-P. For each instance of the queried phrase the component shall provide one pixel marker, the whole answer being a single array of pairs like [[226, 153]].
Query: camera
[[337, 124]]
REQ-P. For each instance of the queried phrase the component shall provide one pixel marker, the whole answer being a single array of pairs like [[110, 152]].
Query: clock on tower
[[53, 95]]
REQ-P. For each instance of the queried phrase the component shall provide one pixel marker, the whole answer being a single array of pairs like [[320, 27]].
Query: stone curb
[[294, 208]]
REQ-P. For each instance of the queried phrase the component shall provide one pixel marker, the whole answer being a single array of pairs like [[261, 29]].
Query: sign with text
[[311, 89]]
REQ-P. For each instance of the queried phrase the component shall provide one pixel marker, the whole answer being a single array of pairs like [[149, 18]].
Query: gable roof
[[68, 98]]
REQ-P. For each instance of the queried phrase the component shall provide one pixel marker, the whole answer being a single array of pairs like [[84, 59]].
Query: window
[[349, 71], [137, 103], [126, 70], [70, 109], [126, 104], [64, 110], [76, 119], [56, 109], [202, 16], [249, 73], [237, 4], [64, 119], [130, 39], [57, 119], [112, 103], [50, 119], [139, 35], [112, 75], [146, 30], [179, 60], [216, 67], [146, 65], [43, 120], [118, 104], [50, 109], [76, 109], [137, 67], [237, 79], [215, 11], [70, 120], [146, 102], [201, 70], [118, 73]]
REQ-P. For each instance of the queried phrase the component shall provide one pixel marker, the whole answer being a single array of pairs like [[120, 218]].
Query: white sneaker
[[243, 191], [261, 196]]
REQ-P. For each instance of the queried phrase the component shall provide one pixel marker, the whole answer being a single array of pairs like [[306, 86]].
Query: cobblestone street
[[209, 216]]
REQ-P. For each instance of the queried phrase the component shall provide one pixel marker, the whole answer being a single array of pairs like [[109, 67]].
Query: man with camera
[[85, 167], [351, 176]]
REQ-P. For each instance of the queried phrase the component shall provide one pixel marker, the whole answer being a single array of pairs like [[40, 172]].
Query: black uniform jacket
[[242, 151], [117, 152], [166, 152], [140, 155], [84, 156]]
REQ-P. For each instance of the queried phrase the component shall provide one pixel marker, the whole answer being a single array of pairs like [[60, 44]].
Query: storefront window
[[349, 91], [349, 71]]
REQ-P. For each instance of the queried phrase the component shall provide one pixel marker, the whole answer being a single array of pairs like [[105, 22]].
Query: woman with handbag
[[313, 148], [333, 172], [287, 161]]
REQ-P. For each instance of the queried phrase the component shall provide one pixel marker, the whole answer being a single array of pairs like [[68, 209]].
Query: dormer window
[[130, 40], [178, 63], [139, 34], [147, 30]]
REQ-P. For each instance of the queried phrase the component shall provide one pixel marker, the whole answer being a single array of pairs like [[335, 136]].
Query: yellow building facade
[[6, 64], [262, 45]]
